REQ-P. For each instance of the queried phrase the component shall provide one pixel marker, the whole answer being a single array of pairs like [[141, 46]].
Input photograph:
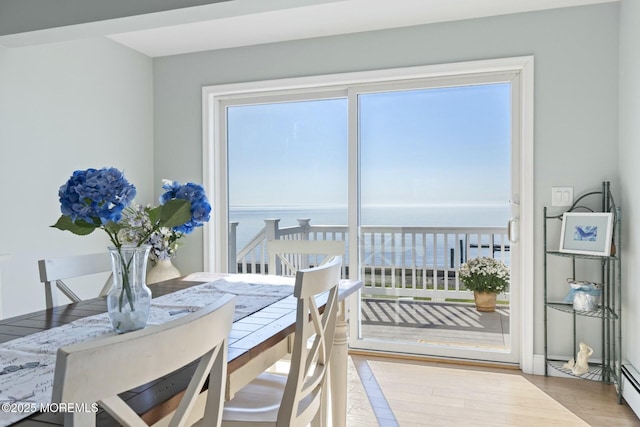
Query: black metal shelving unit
[[609, 311]]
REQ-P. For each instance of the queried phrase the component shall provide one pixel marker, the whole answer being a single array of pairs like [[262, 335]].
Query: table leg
[[338, 368]]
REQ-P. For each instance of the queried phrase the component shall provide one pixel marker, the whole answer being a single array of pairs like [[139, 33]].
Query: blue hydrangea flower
[[194, 193], [96, 196]]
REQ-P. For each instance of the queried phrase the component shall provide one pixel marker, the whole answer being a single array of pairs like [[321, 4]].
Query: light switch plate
[[561, 196]]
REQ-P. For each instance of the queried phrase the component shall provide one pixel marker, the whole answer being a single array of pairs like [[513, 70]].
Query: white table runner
[[34, 357]]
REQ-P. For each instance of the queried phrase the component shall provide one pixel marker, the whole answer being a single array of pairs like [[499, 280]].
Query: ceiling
[[235, 23]]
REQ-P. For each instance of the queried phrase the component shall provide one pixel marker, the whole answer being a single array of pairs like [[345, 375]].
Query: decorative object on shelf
[[486, 277], [581, 366], [163, 270], [96, 198], [587, 233], [129, 299], [585, 296], [569, 365]]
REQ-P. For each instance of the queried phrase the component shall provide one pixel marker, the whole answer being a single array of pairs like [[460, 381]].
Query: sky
[[443, 146]]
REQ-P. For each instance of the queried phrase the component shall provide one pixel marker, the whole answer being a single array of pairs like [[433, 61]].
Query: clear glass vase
[[129, 299]]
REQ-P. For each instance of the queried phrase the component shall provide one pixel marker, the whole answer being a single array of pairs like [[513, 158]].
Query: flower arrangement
[[97, 199], [485, 274]]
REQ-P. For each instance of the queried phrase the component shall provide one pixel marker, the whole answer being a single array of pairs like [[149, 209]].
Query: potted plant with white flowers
[[486, 277]]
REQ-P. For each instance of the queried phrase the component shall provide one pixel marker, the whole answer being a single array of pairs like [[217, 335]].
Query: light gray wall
[[630, 173], [576, 101], [63, 107]]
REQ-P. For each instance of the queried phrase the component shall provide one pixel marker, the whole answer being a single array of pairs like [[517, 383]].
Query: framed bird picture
[[587, 233]]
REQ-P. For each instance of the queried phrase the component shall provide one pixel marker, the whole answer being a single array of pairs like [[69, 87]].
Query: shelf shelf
[[568, 308], [582, 256], [595, 372]]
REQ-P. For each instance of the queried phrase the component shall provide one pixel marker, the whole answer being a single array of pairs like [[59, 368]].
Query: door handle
[[512, 230]]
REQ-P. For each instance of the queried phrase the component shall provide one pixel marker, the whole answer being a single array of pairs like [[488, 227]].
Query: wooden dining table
[[256, 342]]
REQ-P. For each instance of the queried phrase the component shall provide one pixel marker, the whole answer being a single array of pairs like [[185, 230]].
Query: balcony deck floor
[[443, 323]]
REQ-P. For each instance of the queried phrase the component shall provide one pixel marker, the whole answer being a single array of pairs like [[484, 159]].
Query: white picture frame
[[586, 233]]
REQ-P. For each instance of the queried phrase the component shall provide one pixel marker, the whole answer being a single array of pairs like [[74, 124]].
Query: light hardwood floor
[[392, 392]]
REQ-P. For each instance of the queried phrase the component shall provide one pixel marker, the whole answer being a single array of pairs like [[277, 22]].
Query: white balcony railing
[[418, 262]]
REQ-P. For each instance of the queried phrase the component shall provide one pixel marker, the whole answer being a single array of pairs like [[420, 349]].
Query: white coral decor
[[485, 274]]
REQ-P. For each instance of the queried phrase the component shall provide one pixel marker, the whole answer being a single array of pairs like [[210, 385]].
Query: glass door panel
[[287, 176], [435, 183]]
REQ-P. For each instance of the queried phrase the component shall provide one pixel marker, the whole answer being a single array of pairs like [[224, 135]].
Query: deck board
[[439, 323]]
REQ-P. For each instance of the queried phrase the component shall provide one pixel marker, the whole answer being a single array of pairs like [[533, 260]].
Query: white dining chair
[[300, 397], [54, 270], [97, 371], [288, 256]]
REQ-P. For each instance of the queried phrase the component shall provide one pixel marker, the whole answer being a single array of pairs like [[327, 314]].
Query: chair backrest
[[306, 387], [97, 371], [288, 256], [54, 270]]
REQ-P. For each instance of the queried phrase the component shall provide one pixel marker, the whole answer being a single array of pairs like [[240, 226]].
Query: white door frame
[[215, 167]]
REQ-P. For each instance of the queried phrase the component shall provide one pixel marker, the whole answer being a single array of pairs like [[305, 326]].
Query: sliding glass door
[[416, 176], [435, 184]]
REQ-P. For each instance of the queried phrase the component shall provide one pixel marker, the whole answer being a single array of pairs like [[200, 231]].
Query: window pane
[[287, 161], [435, 184], [443, 155]]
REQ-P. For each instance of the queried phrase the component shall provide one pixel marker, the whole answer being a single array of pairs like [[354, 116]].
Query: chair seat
[[258, 401]]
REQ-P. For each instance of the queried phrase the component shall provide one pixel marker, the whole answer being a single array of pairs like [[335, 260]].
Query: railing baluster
[[383, 259], [447, 261], [415, 262], [394, 261], [424, 262], [435, 262], [459, 257], [372, 246], [403, 260]]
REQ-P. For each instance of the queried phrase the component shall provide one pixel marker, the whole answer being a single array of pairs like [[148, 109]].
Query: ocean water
[[251, 219]]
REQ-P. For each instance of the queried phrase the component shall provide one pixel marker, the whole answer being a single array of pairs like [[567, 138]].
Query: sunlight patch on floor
[[431, 396]]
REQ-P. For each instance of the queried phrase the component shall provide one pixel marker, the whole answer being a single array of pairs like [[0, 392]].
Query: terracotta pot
[[485, 301]]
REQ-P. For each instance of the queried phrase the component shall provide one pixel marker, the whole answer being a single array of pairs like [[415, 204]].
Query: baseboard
[[431, 359], [539, 367], [631, 387], [538, 364]]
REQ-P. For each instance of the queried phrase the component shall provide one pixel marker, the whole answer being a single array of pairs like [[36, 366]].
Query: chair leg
[[50, 295], [338, 368]]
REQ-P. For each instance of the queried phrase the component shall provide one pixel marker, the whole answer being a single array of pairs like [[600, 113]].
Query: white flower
[[164, 241]]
